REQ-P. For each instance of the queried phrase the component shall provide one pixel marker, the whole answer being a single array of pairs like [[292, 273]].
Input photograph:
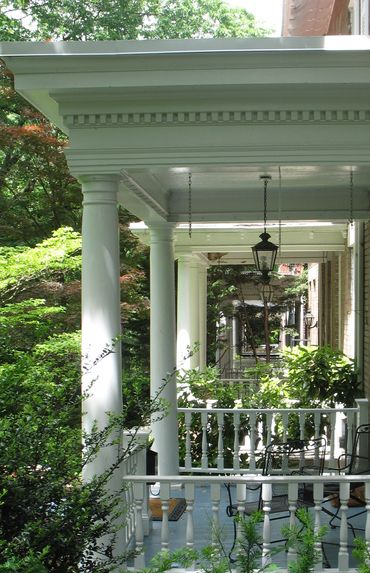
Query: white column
[[188, 333], [100, 309], [101, 358], [203, 315], [235, 339], [163, 345]]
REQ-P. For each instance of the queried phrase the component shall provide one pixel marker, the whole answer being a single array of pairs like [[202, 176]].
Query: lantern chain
[[190, 203], [351, 197], [265, 203], [266, 179]]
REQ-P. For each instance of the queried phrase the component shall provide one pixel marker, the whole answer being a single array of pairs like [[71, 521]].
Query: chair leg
[[335, 515], [326, 562]]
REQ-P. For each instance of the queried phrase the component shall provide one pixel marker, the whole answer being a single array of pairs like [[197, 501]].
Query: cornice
[[201, 118], [140, 192]]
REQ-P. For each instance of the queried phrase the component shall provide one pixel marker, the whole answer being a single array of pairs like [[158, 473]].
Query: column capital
[[161, 231], [99, 189], [99, 178], [196, 259]]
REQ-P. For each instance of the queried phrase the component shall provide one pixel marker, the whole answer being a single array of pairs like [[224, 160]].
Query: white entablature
[[226, 110]]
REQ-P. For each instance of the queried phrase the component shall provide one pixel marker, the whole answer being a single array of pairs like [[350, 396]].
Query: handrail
[[250, 478], [269, 410]]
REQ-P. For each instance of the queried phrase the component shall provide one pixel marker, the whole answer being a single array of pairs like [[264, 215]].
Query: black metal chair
[[356, 462], [294, 457]]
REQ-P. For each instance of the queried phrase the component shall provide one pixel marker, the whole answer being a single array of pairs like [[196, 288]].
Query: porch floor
[[202, 529]]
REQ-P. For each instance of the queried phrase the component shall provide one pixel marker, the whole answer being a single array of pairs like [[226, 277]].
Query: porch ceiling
[[226, 111], [235, 193], [231, 243]]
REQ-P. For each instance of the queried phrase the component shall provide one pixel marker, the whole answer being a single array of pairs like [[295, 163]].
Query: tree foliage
[[200, 19], [128, 19], [37, 193], [22, 269]]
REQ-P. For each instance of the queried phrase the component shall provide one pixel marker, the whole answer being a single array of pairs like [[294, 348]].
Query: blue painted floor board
[[202, 529]]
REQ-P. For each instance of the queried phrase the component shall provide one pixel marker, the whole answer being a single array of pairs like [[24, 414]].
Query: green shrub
[[29, 564], [362, 552], [50, 520], [304, 539], [322, 377], [135, 394]]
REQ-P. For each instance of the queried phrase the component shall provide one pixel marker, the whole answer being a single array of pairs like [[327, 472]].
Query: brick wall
[[366, 369], [313, 301], [334, 297], [348, 334]]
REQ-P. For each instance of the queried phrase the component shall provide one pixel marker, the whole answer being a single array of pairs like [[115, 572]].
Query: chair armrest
[[344, 462], [355, 464]]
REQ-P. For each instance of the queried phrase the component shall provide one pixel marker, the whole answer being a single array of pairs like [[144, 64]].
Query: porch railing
[[134, 463], [211, 486], [222, 439]]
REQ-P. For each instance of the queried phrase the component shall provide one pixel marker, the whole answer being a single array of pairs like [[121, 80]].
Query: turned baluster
[[220, 443], [188, 461], [215, 497], [292, 506], [189, 496], [266, 544], [252, 423], [204, 419], [318, 494], [332, 440], [165, 496], [343, 556], [236, 461], [139, 529]]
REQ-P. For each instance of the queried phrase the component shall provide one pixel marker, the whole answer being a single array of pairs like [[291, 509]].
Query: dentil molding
[[167, 119]]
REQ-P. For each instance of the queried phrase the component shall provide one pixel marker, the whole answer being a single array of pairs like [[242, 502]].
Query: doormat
[[176, 507]]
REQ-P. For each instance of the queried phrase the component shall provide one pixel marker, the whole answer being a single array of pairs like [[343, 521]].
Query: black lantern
[[264, 253], [309, 319], [266, 292]]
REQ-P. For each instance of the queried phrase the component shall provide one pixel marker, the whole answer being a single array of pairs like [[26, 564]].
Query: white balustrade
[[189, 530], [135, 504], [233, 438]]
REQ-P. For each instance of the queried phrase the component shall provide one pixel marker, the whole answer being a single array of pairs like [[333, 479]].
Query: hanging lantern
[[264, 253], [309, 319], [266, 292]]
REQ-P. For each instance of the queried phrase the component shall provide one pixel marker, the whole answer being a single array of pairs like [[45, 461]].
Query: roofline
[[184, 47]]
